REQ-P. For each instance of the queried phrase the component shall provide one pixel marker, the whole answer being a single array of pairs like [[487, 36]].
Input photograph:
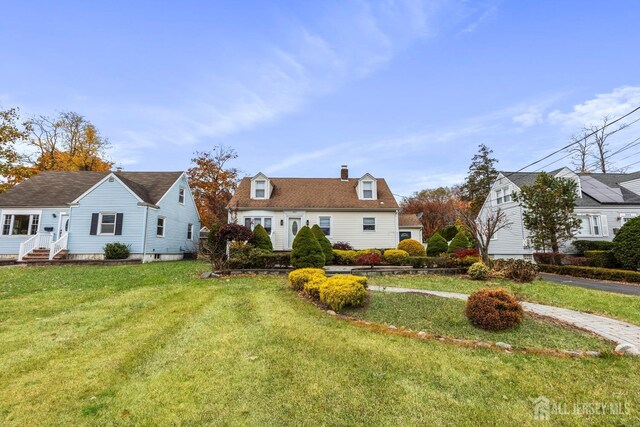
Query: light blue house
[[74, 214]]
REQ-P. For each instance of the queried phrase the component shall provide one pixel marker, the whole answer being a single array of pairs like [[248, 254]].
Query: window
[[324, 222], [20, 225], [368, 224], [190, 232], [6, 225], [181, 196], [160, 227], [261, 188], [367, 189], [499, 197], [404, 235], [107, 224], [503, 195], [266, 222], [590, 225], [626, 217]]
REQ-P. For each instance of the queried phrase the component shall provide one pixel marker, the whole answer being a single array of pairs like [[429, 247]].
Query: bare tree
[[581, 151], [601, 152], [485, 226]]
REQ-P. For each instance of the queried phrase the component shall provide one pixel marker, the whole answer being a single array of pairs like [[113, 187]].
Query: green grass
[[623, 307], [446, 317], [154, 345]]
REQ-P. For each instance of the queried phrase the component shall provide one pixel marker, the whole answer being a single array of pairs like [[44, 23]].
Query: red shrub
[[493, 309], [548, 258], [369, 259], [463, 253]]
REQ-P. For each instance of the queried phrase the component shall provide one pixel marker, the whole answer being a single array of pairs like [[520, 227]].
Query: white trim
[[330, 223], [100, 183], [181, 189], [190, 231], [164, 226], [115, 223], [374, 224]]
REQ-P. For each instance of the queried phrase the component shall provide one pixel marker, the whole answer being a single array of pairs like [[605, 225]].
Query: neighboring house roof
[[57, 189], [313, 193], [409, 220], [611, 180]]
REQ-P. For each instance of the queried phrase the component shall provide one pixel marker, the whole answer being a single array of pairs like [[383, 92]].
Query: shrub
[[325, 244], [412, 247], [548, 258], [312, 287], [343, 246], [592, 245], [459, 242], [437, 245], [478, 271], [463, 253], [602, 259], [234, 232], [261, 239], [339, 292], [369, 251], [466, 261], [116, 251], [493, 309], [360, 279], [626, 244], [395, 256], [576, 260], [370, 259], [438, 262], [306, 251], [416, 261], [517, 270], [449, 232], [273, 260], [629, 276], [345, 257], [297, 278]]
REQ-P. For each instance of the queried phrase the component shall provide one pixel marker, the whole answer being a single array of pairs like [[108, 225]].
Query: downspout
[[144, 233]]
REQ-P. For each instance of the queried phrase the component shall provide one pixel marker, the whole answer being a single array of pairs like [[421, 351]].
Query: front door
[[294, 227], [63, 225]]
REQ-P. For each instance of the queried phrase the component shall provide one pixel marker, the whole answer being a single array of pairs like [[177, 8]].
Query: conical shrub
[[306, 251], [436, 245], [325, 244], [261, 239], [459, 242]]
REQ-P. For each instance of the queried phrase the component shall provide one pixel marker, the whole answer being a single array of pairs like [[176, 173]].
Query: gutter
[[144, 233]]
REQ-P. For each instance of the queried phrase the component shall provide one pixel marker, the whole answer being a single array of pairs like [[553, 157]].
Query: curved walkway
[[613, 330]]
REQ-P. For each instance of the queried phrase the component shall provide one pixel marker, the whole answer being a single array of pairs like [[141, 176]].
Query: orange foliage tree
[[12, 171], [213, 183], [439, 208]]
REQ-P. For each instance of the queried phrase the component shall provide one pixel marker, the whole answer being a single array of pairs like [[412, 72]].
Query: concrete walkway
[[599, 285], [614, 330]]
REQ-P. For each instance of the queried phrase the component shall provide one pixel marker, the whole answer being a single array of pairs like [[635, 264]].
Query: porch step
[[40, 255]]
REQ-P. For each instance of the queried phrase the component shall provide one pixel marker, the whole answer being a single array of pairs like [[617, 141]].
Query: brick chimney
[[344, 173]]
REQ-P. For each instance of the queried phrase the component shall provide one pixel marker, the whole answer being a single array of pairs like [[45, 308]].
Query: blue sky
[[403, 89]]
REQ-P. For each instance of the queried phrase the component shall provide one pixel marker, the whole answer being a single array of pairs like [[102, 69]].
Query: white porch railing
[[38, 241], [59, 245]]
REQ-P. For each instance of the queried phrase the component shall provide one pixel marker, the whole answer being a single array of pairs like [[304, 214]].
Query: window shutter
[[119, 224], [94, 224], [605, 226]]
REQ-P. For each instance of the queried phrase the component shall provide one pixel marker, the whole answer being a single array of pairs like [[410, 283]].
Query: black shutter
[[119, 224], [94, 224]]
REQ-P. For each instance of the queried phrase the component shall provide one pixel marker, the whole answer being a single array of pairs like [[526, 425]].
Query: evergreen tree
[[548, 206], [437, 245], [261, 239], [306, 251], [460, 241], [482, 174], [324, 242]]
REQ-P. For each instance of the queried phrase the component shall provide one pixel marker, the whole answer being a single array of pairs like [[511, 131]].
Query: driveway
[[599, 285]]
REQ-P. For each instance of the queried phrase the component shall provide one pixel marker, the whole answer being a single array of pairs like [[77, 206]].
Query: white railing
[[59, 245], [39, 241]]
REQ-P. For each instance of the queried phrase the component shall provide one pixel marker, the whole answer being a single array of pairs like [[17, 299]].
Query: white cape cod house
[[361, 211], [604, 203], [74, 214]]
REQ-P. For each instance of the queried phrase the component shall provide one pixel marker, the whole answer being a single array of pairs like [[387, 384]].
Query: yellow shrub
[[297, 278], [396, 256], [360, 279], [368, 251], [312, 287], [341, 291], [412, 247], [345, 257]]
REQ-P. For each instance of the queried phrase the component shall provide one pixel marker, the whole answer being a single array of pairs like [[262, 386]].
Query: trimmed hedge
[[395, 256], [437, 245], [548, 257], [412, 247], [338, 292], [261, 239], [298, 278], [345, 257], [626, 244], [307, 252], [593, 272], [601, 259], [592, 245]]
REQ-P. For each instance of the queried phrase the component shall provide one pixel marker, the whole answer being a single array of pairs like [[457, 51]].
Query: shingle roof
[[409, 220], [612, 180], [57, 189], [313, 193]]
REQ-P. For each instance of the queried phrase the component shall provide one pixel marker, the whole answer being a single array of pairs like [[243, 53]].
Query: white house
[[604, 203], [361, 211], [74, 214]]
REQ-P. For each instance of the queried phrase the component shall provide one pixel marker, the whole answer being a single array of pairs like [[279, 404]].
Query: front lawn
[[623, 307], [154, 345]]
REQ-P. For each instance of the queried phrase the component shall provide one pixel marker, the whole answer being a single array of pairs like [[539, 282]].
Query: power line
[[574, 142]]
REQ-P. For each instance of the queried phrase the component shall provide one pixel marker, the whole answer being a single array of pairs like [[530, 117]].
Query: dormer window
[[260, 189], [503, 195], [367, 189]]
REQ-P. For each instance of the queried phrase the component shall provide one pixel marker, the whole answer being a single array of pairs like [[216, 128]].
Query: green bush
[[298, 278], [116, 251], [261, 239], [493, 309], [449, 232], [395, 256], [592, 245], [437, 245], [246, 256], [626, 244], [416, 261], [601, 259], [478, 271], [325, 244], [348, 257], [306, 250], [412, 247], [459, 242], [615, 275], [338, 292]]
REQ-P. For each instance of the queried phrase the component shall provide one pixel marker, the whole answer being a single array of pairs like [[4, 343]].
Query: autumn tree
[[12, 133], [213, 183], [481, 176], [67, 142], [438, 207], [548, 211]]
